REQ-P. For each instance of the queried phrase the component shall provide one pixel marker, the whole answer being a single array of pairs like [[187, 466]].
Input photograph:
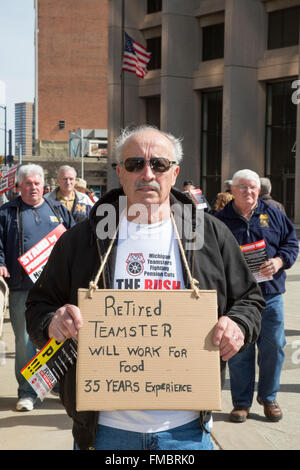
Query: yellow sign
[[41, 358]]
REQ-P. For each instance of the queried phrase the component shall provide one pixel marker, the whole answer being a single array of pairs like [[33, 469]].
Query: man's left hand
[[270, 267], [229, 337]]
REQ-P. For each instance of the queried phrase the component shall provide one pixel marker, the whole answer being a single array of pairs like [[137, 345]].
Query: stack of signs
[[198, 198], [49, 365], [255, 255], [34, 260], [7, 178]]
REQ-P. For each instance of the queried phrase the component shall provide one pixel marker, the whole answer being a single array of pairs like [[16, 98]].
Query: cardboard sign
[[7, 178], [34, 260], [147, 350]]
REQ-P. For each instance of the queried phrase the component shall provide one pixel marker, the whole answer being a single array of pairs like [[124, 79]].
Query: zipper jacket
[[270, 224], [82, 204]]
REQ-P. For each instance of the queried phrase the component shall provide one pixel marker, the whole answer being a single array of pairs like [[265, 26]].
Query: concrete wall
[[242, 74]]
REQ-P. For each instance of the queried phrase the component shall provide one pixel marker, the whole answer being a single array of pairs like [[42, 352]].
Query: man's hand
[[228, 336], [4, 272], [65, 323], [270, 267]]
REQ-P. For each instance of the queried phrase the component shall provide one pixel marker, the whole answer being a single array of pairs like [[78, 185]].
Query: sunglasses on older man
[[136, 164]]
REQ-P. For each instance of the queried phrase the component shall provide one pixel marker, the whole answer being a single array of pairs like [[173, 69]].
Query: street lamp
[[81, 149], [5, 131]]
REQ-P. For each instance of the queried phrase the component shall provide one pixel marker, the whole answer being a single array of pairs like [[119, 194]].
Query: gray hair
[[227, 184], [127, 133], [266, 186], [30, 169], [247, 175], [67, 168]]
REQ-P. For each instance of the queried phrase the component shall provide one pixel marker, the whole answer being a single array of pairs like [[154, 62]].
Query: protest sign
[[7, 178], [34, 260], [49, 365], [255, 255], [147, 350]]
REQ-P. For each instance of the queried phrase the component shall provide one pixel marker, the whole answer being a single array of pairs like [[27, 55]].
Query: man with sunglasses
[[23, 223], [145, 255]]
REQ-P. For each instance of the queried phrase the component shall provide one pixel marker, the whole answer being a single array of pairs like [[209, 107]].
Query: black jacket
[[76, 258]]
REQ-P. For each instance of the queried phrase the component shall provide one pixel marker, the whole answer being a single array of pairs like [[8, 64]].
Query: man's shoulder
[[10, 205], [51, 196]]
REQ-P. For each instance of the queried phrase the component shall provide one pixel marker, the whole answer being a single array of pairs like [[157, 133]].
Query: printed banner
[[34, 260], [49, 365], [7, 178], [255, 255]]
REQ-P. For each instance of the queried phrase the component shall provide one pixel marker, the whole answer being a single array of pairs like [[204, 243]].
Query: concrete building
[[24, 129], [223, 76]]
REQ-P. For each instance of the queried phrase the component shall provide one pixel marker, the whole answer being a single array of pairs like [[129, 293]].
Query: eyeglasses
[[244, 187], [136, 164]]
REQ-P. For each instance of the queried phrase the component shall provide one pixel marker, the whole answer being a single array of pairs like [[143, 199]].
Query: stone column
[[243, 96]]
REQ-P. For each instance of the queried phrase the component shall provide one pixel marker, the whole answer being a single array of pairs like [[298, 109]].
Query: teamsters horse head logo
[[135, 264]]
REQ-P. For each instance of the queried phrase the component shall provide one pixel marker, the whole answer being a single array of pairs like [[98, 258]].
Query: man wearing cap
[[77, 202]]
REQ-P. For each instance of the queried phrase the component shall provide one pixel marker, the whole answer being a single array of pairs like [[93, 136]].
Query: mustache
[[149, 184]]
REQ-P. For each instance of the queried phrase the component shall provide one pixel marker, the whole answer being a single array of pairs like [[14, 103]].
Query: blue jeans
[[24, 349], [190, 436], [270, 358]]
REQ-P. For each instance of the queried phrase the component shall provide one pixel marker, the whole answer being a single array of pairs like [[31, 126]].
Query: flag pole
[[122, 119]]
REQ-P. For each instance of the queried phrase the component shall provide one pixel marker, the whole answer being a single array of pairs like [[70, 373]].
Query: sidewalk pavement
[[257, 433], [48, 427]]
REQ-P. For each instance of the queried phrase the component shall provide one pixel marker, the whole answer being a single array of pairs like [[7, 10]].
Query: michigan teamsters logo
[[135, 264]]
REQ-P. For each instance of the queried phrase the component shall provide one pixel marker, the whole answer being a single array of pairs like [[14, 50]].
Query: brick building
[[71, 68]]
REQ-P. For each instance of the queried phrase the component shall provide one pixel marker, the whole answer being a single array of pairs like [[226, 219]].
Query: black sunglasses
[[136, 164]]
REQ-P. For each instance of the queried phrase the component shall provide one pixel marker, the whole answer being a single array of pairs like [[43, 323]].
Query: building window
[[153, 111], [283, 30], [154, 46], [281, 115], [213, 42], [154, 5], [211, 143]]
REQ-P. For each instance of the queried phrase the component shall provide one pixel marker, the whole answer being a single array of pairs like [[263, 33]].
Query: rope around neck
[[193, 282]]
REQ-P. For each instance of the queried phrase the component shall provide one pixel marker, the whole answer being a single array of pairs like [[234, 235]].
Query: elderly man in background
[[265, 194], [23, 223], [252, 221], [78, 203]]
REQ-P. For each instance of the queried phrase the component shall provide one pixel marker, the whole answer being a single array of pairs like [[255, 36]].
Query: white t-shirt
[[147, 258]]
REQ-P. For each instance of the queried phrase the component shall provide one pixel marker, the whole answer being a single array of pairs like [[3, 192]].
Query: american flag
[[135, 58]]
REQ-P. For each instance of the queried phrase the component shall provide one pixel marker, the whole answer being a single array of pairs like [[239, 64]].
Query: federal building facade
[[224, 77]]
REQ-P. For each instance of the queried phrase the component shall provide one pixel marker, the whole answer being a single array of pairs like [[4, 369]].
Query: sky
[[17, 18]]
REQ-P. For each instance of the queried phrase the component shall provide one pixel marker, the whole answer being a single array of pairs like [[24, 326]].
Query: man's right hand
[[65, 323], [4, 272]]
